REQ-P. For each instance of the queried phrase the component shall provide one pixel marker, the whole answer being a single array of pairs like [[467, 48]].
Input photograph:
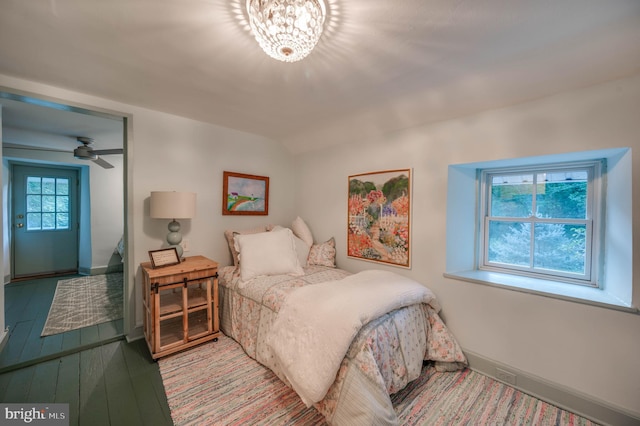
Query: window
[[607, 273], [47, 203], [542, 221]]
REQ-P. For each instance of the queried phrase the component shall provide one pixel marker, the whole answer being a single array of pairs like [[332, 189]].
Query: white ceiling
[[380, 65]]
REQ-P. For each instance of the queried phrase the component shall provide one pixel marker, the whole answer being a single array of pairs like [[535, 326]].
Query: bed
[[379, 351]]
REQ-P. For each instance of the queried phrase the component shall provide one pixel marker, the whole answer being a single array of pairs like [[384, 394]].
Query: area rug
[[218, 384], [84, 301]]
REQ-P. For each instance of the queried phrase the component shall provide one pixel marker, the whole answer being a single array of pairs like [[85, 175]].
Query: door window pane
[[34, 203], [62, 186], [34, 221], [62, 221], [48, 186], [33, 185], [62, 204], [48, 203], [48, 221]]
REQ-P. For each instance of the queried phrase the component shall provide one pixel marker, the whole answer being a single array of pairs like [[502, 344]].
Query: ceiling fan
[[83, 152]]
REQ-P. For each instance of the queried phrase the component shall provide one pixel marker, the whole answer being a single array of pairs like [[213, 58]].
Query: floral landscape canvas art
[[244, 194], [379, 217]]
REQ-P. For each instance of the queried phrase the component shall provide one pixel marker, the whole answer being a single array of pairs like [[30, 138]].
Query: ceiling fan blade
[[107, 151], [104, 164]]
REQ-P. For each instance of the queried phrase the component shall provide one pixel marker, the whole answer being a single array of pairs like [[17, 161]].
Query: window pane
[[34, 203], [48, 186], [48, 221], [33, 221], [62, 204], [48, 203], [33, 185], [62, 186], [62, 221], [509, 243], [560, 247], [562, 195], [511, 195]]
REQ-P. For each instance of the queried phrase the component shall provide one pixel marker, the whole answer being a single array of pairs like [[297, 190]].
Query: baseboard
[[101, 270], [135, 334], [568, 399]]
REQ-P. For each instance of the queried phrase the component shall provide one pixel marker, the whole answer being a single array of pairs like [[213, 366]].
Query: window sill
[[578, 294]]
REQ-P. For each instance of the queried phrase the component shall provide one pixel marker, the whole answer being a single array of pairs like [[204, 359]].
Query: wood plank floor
[[113, 384], [26, 308], [104, 379]]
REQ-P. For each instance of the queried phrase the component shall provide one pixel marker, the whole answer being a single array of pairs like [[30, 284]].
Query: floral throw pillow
[[323, 254]]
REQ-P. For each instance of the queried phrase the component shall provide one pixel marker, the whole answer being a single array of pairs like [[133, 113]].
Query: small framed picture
[[245, 194], [164, 257]]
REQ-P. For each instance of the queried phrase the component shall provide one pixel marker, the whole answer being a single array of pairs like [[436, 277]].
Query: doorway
[[50, 139], [45, 220]]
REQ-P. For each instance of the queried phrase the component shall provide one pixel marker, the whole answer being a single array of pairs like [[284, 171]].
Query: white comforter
[[316, 324]]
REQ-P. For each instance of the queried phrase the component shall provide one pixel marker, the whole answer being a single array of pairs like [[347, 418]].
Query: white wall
[[591, 350], [107, 210]]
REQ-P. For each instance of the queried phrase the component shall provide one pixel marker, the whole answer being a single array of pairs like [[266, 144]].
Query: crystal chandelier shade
[[286, 30]]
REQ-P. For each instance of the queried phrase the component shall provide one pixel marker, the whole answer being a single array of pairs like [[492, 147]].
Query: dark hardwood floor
[[26, 308], [104, 379]]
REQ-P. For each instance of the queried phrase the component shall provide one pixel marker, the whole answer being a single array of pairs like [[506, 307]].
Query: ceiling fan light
[[286, 30]]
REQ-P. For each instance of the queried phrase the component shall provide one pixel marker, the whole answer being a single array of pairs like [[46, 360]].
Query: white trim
[[134, 334], [591, 221], [563, 397], [579, 294], [4, 338]]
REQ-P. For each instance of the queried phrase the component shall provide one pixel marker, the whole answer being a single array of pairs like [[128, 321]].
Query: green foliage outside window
[[537, 221]]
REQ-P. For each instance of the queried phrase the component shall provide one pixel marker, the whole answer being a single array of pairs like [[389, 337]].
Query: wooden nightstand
[[180, 305]]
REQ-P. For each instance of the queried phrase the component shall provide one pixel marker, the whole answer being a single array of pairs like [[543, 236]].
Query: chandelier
[[286, 30]]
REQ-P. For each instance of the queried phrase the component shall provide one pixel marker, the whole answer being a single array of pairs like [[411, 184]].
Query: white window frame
[[592, 221], [617, 284]]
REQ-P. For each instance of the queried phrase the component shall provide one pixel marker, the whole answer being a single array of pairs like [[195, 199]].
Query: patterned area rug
[[218, 384], [84, 301]]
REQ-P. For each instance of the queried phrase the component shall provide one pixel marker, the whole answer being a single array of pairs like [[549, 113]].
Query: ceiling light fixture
[[287, 30]]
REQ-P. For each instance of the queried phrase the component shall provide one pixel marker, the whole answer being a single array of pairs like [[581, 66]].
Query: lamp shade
[[172, 205]]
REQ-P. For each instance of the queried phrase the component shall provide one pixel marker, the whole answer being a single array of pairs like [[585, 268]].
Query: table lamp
[[173, 205]]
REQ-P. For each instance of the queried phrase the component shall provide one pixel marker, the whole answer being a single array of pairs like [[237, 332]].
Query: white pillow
[[302, 248], [302, 231], [267, 253], [230, 234]]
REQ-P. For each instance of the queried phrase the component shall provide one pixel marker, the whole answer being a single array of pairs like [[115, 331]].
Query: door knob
[[20, 225]]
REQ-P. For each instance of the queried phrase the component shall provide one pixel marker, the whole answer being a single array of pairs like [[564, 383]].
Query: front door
[[44, 220]]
